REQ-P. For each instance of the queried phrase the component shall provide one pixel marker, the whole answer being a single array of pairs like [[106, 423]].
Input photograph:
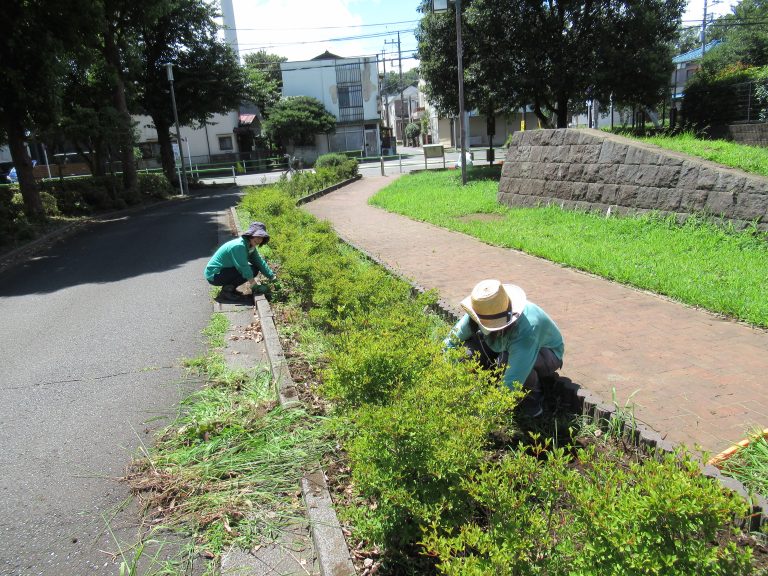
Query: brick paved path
[[697, 378]]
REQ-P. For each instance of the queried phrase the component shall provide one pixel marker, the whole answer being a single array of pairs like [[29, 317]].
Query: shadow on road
[[157, 239]]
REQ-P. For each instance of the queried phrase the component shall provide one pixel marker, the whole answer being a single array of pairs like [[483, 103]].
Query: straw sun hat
[[494, 305]]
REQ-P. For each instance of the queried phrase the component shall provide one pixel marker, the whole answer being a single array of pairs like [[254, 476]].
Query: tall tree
[[207, 76], [550, 54], [120, 24], [745, 37], [297, 119], [33, 52], [264, 78]]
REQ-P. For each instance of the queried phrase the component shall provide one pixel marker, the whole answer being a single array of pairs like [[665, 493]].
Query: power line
[[322, 27], [320, 41]]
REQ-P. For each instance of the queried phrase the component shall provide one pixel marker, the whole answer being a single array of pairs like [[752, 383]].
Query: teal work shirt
[[237, 254], [523, 340]]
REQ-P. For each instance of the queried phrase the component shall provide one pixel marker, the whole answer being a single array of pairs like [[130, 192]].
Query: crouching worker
[[501, 328], [237, 262]]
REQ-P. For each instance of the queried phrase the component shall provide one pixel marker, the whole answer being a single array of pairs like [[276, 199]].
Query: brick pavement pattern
[[694, 377]]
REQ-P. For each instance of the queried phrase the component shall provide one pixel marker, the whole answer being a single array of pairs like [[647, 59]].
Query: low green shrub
[[412, 456], [14, 226], [421, 435], [332, 159], [552, 513], [155, 186]]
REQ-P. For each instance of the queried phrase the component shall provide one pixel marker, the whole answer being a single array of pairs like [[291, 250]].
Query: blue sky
[[302, 29]]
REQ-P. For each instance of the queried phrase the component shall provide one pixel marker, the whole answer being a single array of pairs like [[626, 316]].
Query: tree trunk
[[33, 205], [562, 110], [130, 177], [166, 149]]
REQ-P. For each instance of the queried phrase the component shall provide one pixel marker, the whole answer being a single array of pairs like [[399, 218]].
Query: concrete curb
[[319, 193], [602, 413], [330, 545]]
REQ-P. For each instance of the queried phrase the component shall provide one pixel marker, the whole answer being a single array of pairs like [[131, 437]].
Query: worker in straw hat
[[239, 261], [501, 328]]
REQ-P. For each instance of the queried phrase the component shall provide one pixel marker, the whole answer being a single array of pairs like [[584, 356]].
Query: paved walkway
[[695, 378]]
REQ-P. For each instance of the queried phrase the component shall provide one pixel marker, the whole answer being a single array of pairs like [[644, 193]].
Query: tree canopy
[[745, 37], [264, 81], [297, 119], [549, 55], [391, 84]]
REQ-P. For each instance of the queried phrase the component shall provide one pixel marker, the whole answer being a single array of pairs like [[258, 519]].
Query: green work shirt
[[531, 332], [237, 254]]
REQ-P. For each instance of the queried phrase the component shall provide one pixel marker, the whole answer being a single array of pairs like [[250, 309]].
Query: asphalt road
[[92, 334]]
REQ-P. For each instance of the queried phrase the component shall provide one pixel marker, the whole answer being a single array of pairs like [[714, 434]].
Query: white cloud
[[286, 27]]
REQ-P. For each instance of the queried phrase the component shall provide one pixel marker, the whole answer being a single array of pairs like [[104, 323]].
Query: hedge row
[[421, 433], [717, 100]]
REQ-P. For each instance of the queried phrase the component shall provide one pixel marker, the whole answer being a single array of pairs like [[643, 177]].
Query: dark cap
[[257, 230]]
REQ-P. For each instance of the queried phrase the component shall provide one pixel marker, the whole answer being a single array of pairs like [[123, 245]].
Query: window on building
[[225, 143]]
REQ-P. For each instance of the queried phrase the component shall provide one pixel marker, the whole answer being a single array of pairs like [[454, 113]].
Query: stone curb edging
[[319, 193], [330, 545], [601, 413]]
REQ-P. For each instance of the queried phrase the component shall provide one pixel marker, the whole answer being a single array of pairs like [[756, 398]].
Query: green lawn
[[698, 263], [749, 158]]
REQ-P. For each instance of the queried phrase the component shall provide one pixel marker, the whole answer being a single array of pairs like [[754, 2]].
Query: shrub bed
[[439, 472]]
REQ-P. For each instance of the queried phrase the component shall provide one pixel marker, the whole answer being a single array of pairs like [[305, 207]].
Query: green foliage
[[556, 514], [155, 186], [264, 79], [744, 35], [392, 83], [337, 165], [14, 226], [592, 50], [699, 263], [412, 132], [710, 98], [420, 429], [297, 119], [748, 158]]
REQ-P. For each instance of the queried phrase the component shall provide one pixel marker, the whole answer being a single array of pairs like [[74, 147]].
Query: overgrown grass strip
[[698, 263], [228, 468]]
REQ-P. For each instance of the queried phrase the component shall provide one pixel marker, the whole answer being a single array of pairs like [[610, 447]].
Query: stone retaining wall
[[593, 170], [749, 134]]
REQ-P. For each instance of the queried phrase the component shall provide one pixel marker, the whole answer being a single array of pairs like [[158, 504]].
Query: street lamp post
[[183, 184], [442, 6]]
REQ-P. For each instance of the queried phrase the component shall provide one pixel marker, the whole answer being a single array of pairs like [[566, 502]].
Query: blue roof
[[694, 54]]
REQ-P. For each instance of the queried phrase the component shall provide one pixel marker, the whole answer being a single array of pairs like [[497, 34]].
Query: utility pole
[[400, 66], [460, 58], [402, 103], [183, 183], [386, 97], [704, 31]]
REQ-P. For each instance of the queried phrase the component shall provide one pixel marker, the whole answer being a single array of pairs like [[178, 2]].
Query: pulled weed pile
[[229, 468]]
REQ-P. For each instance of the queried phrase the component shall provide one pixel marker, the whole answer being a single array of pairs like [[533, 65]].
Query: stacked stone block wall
[[749, 134], [592, 170]]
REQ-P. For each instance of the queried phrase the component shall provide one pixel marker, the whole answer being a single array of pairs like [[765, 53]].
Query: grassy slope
[[748, 158], [698, 263]]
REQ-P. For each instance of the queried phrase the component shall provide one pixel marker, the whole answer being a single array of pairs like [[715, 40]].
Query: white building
[[348, 89], [215, 141]]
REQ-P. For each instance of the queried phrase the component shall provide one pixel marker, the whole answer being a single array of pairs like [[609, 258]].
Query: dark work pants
[[547, 362], [231, 277]]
